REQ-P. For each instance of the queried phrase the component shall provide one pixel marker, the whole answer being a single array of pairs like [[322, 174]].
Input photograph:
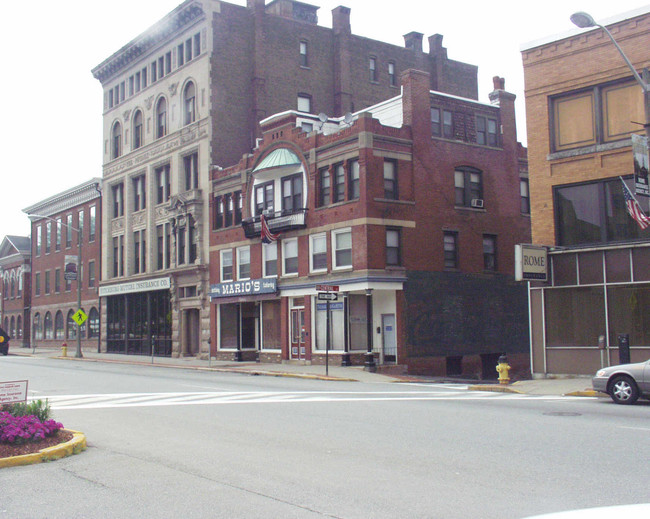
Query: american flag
[[634, 209], [267, 237]]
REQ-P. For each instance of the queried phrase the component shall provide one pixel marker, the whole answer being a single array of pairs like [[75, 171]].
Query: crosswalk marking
[[125, 400]]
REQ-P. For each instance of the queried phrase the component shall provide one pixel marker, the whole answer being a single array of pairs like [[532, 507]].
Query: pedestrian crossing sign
[[80, 317]]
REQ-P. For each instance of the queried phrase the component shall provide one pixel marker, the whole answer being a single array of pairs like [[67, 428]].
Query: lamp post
[[78, 353], [584, 20]]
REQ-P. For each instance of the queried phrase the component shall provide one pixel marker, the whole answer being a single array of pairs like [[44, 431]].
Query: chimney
[[253, 4], [413, 41], [435, 46], [341, 20], [506, 103], [499, 83], [416, 103]]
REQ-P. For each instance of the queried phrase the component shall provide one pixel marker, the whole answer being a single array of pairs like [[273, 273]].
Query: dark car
[[625, 383], [4, 342]]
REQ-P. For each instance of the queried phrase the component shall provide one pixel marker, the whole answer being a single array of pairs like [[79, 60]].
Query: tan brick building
[[582, 105]]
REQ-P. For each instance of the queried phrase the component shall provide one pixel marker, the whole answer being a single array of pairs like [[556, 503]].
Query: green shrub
[[38, 408]]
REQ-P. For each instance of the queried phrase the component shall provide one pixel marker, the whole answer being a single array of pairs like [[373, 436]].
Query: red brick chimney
[[416, 103], [341, 20]]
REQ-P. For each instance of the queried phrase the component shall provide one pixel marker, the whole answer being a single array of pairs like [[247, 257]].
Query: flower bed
[[22, 429]]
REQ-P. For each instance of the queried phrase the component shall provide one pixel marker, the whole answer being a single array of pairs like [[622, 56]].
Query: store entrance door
[[297, 349]]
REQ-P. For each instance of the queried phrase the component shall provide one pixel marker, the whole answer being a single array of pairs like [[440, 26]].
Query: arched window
[[71, 327], [189, 104], [12, 329], [161, 118], [58, 325], [93, 323], [37, 327], [13, 286], [6, 290], [137, 130], [116, 140], [48, 326], [19, 328]]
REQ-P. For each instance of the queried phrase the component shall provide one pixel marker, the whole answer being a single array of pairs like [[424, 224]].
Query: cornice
[[184, 15], [66, 200]]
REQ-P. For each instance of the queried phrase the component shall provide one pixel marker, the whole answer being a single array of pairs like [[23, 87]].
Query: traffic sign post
[[327, 293], [327, 296]]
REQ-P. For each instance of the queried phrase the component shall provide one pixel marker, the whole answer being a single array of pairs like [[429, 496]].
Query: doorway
[[389, 339], [192, 332], [297, 346]]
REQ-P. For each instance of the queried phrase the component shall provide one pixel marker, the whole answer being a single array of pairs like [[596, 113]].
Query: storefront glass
[[628, 314], [574, 316]]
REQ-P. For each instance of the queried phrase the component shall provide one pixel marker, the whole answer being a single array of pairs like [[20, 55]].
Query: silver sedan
[[625, 383]]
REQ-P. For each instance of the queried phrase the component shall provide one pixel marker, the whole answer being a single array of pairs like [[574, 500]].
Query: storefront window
[[574, 316], [271, 330], [337, 326], [358, 322], [628, 314], [229, 326]]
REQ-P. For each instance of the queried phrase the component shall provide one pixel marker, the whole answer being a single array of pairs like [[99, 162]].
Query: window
[[161, 118], [218, 212], [137, 130], [116, 139], [226, 265], [393, 249], [58, 234], [468, 186], [91, 274], [139, 194], [304, 62], [191, 167], [450, 250], [161, 67], [486, 131], [162, 184], [392, 80], [601, 114], [292, 193], [324, 187], [264, 198], [38, 329], [304, 103], [192, 244], [353, 180], [68, 231], [228, 208], [57, 281], [47, 281], [243, 263], [37, 284], [180, 55], [339, 183], [390, 180], [39, 240], [154, 75], [189, 103], [290, 256], [80, 225], [596, 212], [168, 62], [118, 256], [447, 124], [48, 237], [342, 246], [93, 224], [436, 127], [143, 75], [489, 252], [372, 68], [93, 323], [118, 200], [238, 202], [270, 259], [525, 195], [48, 326], [139, 251], [180, 246], [318, 252], [58, 325], [197, 44]]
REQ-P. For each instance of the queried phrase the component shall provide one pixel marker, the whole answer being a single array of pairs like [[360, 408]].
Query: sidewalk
[[568, 386]]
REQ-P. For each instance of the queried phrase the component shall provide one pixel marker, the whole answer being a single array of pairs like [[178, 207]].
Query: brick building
[[58, 224], [411, 207], [185, 97], [582, 106], [15, 268]]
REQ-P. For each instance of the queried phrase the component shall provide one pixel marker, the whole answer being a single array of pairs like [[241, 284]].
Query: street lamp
[[78, 353], [584, 20]]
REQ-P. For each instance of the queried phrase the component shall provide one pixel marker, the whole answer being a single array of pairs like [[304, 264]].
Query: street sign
[[80, 317], [327, 288], [327, 296]]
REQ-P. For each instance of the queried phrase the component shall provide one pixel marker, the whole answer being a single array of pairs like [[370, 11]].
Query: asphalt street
[[187, 443]]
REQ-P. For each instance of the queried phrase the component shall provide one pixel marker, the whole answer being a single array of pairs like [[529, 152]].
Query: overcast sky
[[51, 106]]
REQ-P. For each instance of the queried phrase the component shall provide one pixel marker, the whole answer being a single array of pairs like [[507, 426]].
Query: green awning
[[278, 158]]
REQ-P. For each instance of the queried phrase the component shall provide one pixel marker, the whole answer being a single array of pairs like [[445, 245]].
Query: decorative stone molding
[[173, 88], [148, 102], [138, 219], [126, 115], [117, 224]]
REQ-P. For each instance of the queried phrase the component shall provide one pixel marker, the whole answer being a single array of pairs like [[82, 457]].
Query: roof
[[278, 158]]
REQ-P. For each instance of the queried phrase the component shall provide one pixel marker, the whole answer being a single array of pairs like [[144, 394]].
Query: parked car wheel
[[623, 390]]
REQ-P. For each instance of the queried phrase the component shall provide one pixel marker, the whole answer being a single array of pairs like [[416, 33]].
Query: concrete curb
[[494, 388], [74, 446], [587, 392]]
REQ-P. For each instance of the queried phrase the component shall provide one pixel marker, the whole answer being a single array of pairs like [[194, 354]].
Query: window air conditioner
[[477, 202]]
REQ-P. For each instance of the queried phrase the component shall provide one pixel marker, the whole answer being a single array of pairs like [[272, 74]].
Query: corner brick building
[[410, 208], [15, 269], [185, 98], [582, 107]]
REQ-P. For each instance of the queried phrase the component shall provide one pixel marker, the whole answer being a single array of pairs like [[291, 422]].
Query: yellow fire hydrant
[[64, 350], [503, 368]]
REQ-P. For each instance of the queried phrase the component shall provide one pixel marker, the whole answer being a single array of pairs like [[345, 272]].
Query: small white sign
[[13, 391], [530, 263]]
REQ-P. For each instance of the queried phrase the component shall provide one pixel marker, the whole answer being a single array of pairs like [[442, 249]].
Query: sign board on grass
[[13, 391]]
